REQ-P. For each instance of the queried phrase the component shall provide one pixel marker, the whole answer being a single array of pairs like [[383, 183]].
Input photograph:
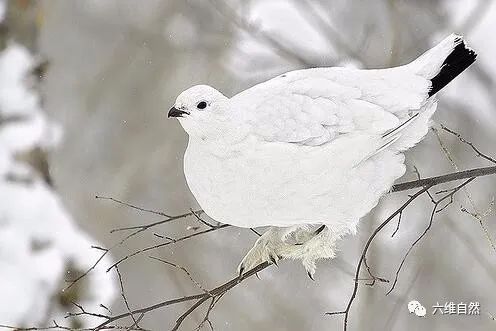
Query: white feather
[[315, 146]]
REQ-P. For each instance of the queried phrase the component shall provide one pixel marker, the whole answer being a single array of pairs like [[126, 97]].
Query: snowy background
[[84, 91]]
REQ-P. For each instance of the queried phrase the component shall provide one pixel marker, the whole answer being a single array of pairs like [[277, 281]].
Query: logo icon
[[416, 307]]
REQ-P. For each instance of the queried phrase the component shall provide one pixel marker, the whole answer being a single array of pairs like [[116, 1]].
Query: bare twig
[[105, 307], [57, 326], [431, 219], [149, 248], [83, 312], [183, 269], [397, 225], [463, 140], [151, 225], [124, 298], [84, 274], [197, 215], [484, 214], [346, 312], [200, 298], [135, 323], [477, 172], [206, 318], [127, 204], [448, 155], [373, 278], [427, 183]]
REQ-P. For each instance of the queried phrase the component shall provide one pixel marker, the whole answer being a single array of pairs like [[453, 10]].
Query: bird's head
[[201, 110]]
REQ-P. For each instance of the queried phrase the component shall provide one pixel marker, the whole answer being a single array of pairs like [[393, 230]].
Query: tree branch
[[346, 312], [477, 172], [219, 290]]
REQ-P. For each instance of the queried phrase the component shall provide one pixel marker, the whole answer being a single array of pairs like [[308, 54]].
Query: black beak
[[174, 112]]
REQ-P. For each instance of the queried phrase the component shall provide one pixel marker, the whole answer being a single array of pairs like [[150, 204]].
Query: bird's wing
[[315, 106]]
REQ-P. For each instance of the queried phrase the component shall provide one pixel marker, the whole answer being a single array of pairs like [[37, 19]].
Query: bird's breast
[[282, 184], [237, 184]]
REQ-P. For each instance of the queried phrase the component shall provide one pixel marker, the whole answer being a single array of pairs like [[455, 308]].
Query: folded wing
[[315, 106]]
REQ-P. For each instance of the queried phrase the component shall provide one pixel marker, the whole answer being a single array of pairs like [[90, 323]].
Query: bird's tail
[[442, 63]]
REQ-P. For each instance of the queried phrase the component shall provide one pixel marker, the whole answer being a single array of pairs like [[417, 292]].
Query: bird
[[310, 152]]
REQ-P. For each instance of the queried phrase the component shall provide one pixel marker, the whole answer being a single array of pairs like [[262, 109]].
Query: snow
[[39, 241], [15, 61]]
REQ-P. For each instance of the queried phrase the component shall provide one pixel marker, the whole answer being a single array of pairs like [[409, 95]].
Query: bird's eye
[[201, 105]]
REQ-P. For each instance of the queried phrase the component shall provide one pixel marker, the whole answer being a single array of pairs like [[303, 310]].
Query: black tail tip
[[459, 59]]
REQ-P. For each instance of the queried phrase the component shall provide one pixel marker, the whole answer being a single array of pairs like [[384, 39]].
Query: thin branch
[[486, 213], [206, 318], [477, 172], [57, 326], [149, 248], [105, 307], [191, 309], [162, 304], [197, 215], [150, 225], [373, 278], [463, 140], [431, 219], [202, 297], [127, 204], [183, 269], [346, 312], [136, 321], [82, 312], [397, 225], [470, 175], [124, 298], [92, 267], [467, 193]]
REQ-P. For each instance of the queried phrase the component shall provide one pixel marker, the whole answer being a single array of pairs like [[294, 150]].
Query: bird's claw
[[264, 250], [303, 244], [274, 259], [241, 269]]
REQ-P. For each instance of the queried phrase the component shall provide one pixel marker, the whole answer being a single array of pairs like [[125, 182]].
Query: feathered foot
[[306, 243]]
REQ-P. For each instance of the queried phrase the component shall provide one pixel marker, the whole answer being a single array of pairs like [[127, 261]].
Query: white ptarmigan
[[311, 151]]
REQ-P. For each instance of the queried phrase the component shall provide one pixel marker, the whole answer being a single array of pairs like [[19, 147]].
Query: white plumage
[[310, 147]]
